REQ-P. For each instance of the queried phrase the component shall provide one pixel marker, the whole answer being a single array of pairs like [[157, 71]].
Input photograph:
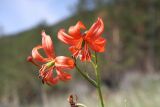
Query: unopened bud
[[29, 59]]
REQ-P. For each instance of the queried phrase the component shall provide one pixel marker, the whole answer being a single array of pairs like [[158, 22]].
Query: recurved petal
[[63, 75], [75, 31], [64, 62], [49, 79], [96, 29], [98, 45], [36, 55], [66, 38], [47, 45]]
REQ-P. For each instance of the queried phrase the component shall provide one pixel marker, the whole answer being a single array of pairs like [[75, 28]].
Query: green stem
[[98, 81], [86, 76], [99, 89], [96, 58]]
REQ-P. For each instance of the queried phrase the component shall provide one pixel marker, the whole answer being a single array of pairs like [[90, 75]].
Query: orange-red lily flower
[[50, 63], [80, 42]]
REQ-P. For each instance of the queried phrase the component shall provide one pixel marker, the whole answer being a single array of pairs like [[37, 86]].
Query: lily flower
[[51, 62], [81, 43]]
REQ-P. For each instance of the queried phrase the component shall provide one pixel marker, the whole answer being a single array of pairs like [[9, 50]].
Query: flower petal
[[49, 79], [67, 38], [63, 75], [96, 30], [75, 31], [36, 56], [64, 62], [47, 45], [98, 45]]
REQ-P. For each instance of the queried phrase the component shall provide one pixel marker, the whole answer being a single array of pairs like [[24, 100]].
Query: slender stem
[[86, 76], [99, 89], [98, 81], [96, 58]]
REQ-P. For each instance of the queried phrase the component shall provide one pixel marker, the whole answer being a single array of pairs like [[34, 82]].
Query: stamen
[[39, 77], [43, 81], [30, 59]]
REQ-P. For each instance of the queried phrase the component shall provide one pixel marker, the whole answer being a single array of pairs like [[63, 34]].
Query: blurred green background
[[130, 65]]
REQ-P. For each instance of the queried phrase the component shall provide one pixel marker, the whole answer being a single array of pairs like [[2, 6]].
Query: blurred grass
[[143, 92], [139, 92]]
